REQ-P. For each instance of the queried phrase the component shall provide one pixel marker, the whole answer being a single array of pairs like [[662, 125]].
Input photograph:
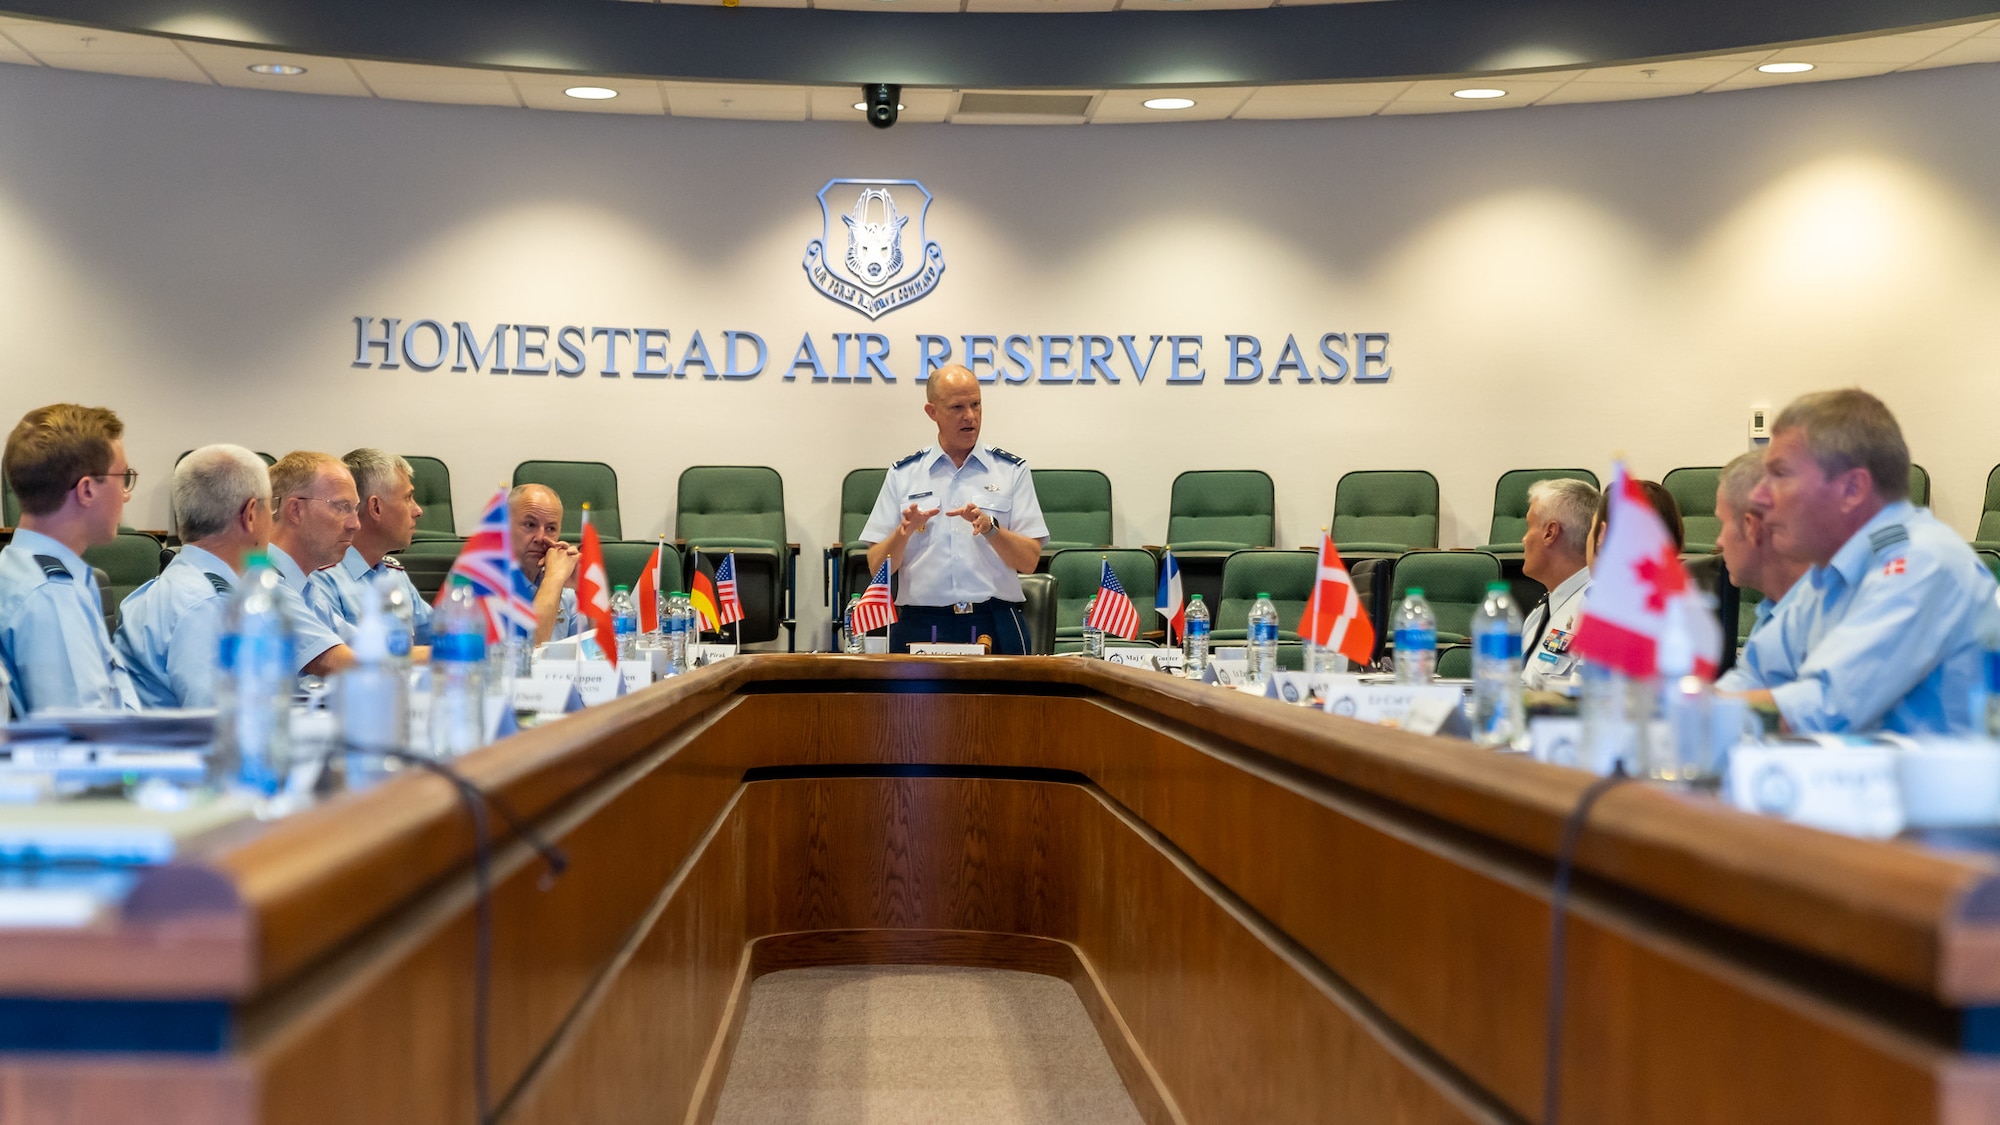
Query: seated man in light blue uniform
[[1883, 636], [170, 629], [388, 517], [549, 563], [314, 515], [66, 464], [1745, 543]]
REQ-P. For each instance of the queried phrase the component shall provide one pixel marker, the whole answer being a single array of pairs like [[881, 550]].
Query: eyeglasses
[[128, 480], [341, 508]]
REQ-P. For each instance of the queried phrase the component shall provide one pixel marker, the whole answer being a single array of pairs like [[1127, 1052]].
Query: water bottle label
[[225, 657], [1262, 632], [624, 623], [254, 654], [1416, 640], [399, 643], [1197, 629], [1993, 672], [465, 648], [1498, 646]]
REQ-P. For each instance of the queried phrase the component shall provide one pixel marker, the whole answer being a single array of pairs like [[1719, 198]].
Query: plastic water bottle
[[458, 672], [1194, 639], [1416, 630], [1263, 639], [850, 637], [402, 619], [371, 698], [625, 621], [674, 622], [258, 667], [1497, 718], [1093, 638]]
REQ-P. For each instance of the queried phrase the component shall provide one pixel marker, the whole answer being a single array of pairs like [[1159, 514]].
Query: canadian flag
[[1334, 617], [1643, 613], [593, 590]]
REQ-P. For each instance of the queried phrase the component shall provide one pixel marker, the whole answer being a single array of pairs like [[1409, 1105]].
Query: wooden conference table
[[1272, 914]]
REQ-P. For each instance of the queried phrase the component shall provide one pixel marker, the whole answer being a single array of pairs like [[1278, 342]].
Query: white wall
[[1562, 284]]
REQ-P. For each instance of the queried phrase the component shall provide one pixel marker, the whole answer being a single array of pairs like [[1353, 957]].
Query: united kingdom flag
[[487, 561]]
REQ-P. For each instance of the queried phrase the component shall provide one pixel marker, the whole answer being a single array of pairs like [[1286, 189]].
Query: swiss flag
[[1334, 617], [1640, 595], [593, 591]]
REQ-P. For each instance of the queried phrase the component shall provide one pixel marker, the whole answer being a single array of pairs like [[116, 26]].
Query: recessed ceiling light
[[1168, 103], [1785, 67], [863, 107], [591, 93], [277, 69], [1478, 95]]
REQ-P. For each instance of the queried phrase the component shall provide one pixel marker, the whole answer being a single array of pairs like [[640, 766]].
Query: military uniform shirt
[[1766, 657], [946, 562], [310, 629], [567, 622], [170, 630], [1884, 633], [1553, 664], [52, 635], [343, 589]]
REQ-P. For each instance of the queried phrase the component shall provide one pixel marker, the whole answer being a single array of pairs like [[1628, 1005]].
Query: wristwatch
[[992, 527]]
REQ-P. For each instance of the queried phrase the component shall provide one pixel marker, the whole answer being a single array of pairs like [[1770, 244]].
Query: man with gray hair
[[1553, 553], [388, 515], [1884, 632], [170, 629], [1745, 545]]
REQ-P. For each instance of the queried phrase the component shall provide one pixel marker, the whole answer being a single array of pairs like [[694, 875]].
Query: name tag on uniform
[[921, 495]]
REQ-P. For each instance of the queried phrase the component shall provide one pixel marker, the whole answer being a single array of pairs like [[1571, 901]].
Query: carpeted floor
[[895, 1045]]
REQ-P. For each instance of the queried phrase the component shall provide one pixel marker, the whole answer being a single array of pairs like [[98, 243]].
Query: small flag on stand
[[876, 608], [727, 601], [1638, 590], [593, 590], [487, 561], [1334, 617], [701, 593], [648, 591], [1172, 603], [1113, 611]]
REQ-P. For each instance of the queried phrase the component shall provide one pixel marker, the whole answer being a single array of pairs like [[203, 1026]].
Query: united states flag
[[487, 561], [876, 608], [1113, 611], [728, 604]]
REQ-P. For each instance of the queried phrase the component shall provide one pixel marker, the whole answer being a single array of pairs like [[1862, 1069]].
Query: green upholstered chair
[[1694, 490], [1454, 583], [1988, 535], [1221, 510], [1711, 576], [1077, 572], [1285, 575], [1920, 485], [578, 483], [1038, 606], [432, 481], [427, 561], [1384, 512], [1454, 662], [1076, 503], [844, 569], [1991, 559], [624, 559], [128, 562], [1510, 505], [741, 509]]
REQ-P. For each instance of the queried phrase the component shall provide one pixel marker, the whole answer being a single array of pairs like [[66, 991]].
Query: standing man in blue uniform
[[66, 464], [170, 629], [961, 523], [388, 514], [314, 515], [1883, 636]]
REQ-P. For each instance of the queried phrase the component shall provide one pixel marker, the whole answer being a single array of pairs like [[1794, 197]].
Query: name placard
[[1423, 708], [1151, 659], [1306, 687], [1840, 787]]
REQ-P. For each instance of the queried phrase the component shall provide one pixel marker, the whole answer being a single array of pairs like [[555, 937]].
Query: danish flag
[[1334, 617]]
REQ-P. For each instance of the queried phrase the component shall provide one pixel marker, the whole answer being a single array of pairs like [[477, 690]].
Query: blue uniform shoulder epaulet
[[53, 567], [392, 562], [1883, 538], [910, 460], [220, 583], [1010, 458]]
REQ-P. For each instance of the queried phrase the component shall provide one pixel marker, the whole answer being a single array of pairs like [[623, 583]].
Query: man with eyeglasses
[[315, 513], [66, 464]]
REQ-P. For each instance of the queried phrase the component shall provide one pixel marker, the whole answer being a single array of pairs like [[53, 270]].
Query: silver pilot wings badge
[[860, 262]]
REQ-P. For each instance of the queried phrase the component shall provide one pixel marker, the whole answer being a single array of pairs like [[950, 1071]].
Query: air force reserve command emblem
[[861, 260]]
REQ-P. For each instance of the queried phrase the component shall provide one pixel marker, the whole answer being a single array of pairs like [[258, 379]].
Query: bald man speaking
[[960, 523]]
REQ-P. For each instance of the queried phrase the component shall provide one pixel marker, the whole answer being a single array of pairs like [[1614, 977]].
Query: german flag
[[701, 591]]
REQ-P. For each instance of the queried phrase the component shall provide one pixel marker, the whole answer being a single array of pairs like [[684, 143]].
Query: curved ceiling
[[526, 52]]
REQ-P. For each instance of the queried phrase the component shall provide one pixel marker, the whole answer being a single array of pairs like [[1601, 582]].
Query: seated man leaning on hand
[[548, 562], [1883, 636], [170, 628]]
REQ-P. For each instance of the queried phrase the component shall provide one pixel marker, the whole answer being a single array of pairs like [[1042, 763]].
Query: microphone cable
[[1558, 933]]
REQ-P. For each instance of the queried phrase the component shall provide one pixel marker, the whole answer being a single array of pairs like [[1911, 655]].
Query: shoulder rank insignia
[[1010, 458], [392, 562], [1883, 538], [53, 567], [220, 583], [910, 460]]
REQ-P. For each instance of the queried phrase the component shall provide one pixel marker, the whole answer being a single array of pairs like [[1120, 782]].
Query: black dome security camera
[[881, 99]]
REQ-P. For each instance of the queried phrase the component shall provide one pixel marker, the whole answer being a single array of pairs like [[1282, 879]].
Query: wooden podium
[[1272, 915]]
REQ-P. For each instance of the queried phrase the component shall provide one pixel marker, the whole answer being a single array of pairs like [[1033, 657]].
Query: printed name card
[[1423, 708], [1227, 671], [1826, 784], [706, 654], [1306, 687], [1151, 659], [945, 648]]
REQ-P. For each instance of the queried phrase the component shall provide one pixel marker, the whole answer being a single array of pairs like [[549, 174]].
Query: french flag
[[1170, 603]]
